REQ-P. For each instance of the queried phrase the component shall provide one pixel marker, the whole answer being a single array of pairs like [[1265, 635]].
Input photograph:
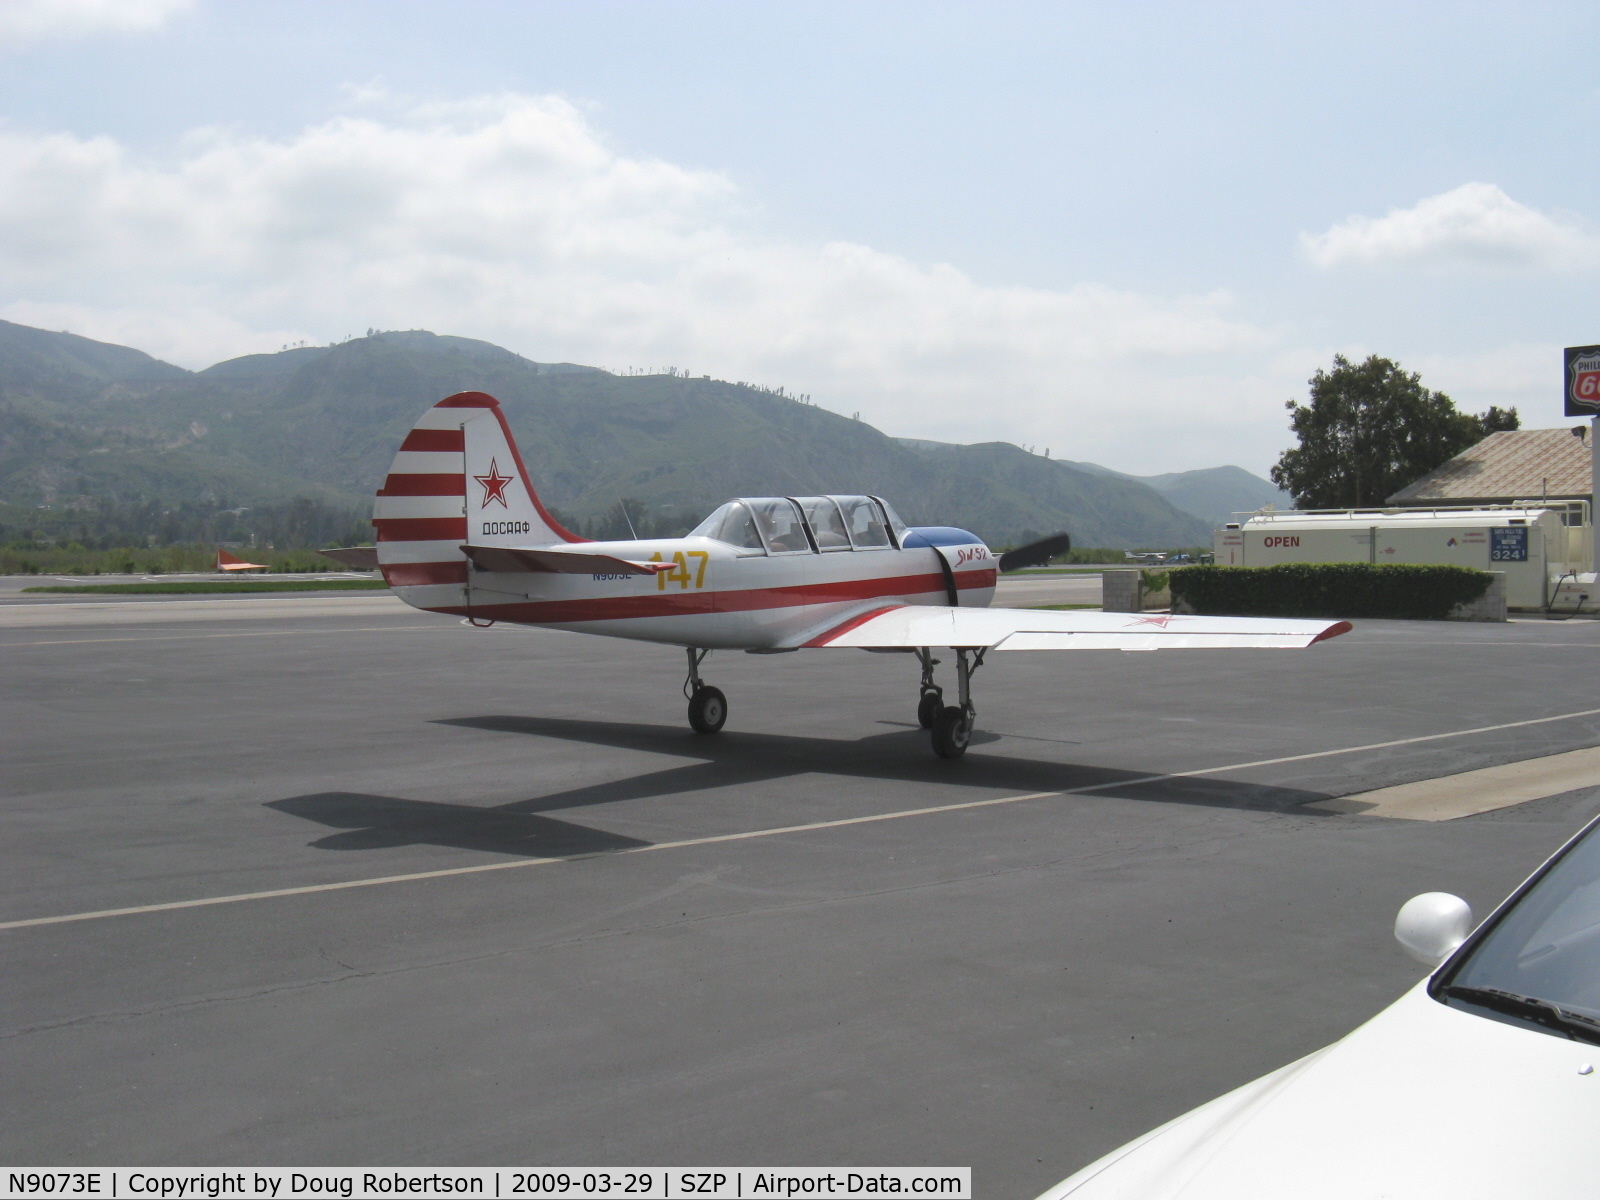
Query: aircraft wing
[[563, 562], [908, 626]]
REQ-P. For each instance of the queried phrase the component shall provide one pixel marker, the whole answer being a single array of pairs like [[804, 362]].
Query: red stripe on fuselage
[[669, 604], [979, 578]]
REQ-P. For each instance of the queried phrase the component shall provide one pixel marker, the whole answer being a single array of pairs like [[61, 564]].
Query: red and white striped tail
[[457, 480]]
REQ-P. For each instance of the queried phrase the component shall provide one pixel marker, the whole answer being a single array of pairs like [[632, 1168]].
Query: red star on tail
[[494, 485]]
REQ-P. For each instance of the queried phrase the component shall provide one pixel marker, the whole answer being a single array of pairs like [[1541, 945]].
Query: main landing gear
[[931, 702], [708, 707], [951, 723]]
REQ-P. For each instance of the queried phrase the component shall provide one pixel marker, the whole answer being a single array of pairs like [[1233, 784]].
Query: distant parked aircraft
[[228, 562]]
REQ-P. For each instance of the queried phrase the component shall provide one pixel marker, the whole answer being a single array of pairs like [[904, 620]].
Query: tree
[[1369, 431]]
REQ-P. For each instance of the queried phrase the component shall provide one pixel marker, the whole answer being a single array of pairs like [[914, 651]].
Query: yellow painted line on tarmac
[[1472, 792]]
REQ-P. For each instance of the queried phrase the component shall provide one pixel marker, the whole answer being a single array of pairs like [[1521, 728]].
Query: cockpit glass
[[779, 521], [895, 523], [864, 521], [826, 521], [778, 524], [732, 523]]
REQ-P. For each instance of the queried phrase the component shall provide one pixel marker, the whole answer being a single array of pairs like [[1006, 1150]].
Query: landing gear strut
[[931, 701], [708, 707], [952, 724]]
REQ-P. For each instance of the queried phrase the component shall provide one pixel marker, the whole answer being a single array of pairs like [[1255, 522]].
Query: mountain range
[[90, 430]]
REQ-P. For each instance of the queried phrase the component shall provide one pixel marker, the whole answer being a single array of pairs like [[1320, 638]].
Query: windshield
[[1538, 964], [895, 523]]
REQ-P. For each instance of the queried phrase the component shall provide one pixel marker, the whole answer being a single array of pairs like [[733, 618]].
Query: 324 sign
[[1582, 380]]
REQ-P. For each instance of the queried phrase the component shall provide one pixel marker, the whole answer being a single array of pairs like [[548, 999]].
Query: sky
[[1125, 233]]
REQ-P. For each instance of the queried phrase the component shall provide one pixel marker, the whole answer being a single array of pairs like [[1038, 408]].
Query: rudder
[[457, 478]]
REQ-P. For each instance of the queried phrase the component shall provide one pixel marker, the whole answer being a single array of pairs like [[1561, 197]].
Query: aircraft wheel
[[708, 709], [928, 709], [952, 730]]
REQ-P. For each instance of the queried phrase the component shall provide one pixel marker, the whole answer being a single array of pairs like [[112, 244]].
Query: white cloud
[[36, 20], [1474, 223], [187, 337], [508, 218], [1518, 375]]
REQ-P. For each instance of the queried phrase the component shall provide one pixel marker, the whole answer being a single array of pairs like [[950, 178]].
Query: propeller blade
[[1035, 554]]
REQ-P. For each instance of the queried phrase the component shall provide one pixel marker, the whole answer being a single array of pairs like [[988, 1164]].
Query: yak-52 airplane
[[460, 530]]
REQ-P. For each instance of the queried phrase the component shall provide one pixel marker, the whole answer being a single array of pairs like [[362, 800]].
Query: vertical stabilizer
[[458, 479], [502, 507]]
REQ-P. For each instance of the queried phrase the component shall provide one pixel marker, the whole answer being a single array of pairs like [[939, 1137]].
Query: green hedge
[[1419, 593]]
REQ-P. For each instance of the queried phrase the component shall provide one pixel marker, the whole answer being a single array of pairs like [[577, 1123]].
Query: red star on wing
[[494, 485], [1160, 622]]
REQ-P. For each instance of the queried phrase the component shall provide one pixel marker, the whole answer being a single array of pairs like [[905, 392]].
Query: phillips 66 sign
[[1582, 381]]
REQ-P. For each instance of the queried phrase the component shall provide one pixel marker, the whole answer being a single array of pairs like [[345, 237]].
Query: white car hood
[[1423, 1100]]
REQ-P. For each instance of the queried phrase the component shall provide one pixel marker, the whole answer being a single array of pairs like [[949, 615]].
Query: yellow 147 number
[[681, 574]]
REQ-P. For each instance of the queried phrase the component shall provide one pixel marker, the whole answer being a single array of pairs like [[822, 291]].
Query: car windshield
[[1538, 964]]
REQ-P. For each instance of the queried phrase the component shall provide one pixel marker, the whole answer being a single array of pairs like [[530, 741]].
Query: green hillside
[[92, 431], [1213, 494]]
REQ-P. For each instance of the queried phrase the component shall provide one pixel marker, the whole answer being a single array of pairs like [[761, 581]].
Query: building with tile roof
[[1515, 464]]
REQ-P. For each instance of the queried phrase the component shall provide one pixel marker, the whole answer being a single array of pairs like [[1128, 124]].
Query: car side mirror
[[1432, 925]]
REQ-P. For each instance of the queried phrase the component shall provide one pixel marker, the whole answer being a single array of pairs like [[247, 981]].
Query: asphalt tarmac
[[323, 881]]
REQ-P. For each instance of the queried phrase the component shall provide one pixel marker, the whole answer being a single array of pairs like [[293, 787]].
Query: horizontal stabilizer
[[562, 562], [362, 558]]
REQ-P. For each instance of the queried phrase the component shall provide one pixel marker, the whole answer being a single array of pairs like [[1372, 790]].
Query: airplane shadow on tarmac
[[733, 759]]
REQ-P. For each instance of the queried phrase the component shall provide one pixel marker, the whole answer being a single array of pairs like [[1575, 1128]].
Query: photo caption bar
[[496, 1183]]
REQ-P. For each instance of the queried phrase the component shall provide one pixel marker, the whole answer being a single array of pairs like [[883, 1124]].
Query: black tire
[[952, 730], [708, 709], [928, 709]]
